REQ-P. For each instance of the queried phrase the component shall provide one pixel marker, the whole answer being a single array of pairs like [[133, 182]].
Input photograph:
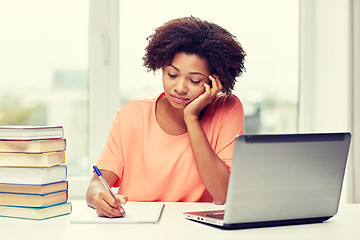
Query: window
[[44, 70], [49, 50], [268, 33]]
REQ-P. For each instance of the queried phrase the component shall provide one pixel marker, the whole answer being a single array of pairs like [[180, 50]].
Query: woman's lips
[[178, 99]]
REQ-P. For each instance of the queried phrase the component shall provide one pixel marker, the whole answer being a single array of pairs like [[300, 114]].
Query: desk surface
[[173, 225]]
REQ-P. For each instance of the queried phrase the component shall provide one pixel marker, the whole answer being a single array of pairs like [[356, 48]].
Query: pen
[[104, 182]]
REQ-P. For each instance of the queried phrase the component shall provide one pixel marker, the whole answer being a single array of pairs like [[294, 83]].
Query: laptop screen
[[292, 176]]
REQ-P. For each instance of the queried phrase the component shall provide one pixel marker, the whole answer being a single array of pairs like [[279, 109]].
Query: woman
[[178, 146]]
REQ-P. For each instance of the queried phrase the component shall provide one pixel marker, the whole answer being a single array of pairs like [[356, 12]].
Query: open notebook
[[136, 212]]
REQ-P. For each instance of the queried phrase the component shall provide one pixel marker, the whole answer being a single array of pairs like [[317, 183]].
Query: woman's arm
[[213, 171], [98, 197]]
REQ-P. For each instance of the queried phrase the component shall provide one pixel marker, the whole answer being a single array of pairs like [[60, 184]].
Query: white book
[[33, 175], [135, 212], [31, 132]]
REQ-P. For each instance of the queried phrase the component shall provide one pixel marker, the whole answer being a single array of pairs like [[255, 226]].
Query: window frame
[[103, 83], [354, 50]]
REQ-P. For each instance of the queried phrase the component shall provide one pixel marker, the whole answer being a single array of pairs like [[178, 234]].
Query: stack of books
[[33, 174]]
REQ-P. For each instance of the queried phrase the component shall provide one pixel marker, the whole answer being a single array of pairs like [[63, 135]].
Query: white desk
[[345, 226]]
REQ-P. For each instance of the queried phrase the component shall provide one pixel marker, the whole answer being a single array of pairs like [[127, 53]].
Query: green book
[[36, 213]]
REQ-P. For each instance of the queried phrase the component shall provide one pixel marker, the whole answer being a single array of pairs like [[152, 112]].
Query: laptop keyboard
[[215, 215]]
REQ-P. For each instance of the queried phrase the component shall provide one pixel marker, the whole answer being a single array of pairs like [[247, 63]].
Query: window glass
[[44, 70], [268, 31]]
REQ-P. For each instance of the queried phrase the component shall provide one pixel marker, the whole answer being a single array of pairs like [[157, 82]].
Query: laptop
[[282, 180]]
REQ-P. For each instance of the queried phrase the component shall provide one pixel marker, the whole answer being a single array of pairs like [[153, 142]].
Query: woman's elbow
[[220, 200]]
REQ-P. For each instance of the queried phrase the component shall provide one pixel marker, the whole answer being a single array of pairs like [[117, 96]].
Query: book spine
[[32, 146], [33, 175], [48, 159], [36, 143]]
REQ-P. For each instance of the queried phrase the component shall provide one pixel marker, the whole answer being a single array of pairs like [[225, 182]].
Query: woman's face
[[184, 78]]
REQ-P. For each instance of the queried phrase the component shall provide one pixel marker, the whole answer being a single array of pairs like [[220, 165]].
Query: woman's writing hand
[[98, 197], [107, 206]]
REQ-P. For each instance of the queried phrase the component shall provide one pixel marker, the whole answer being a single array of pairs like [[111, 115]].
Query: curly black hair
[[223, 53]]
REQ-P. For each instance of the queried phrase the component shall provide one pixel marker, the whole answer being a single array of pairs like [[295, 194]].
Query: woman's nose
[[180, 86]]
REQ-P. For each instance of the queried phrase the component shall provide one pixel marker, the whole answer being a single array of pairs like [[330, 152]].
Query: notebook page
[[136, 212]]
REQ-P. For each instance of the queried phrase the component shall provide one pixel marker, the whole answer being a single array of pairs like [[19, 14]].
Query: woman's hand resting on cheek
[[193, 109]]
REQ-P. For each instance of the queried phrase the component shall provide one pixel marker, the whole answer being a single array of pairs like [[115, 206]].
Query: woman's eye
[[195, 81], [172, 75]]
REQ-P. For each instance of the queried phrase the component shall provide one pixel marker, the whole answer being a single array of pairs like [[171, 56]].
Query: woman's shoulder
[[225, 115], [137, 106], [226, 101]]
